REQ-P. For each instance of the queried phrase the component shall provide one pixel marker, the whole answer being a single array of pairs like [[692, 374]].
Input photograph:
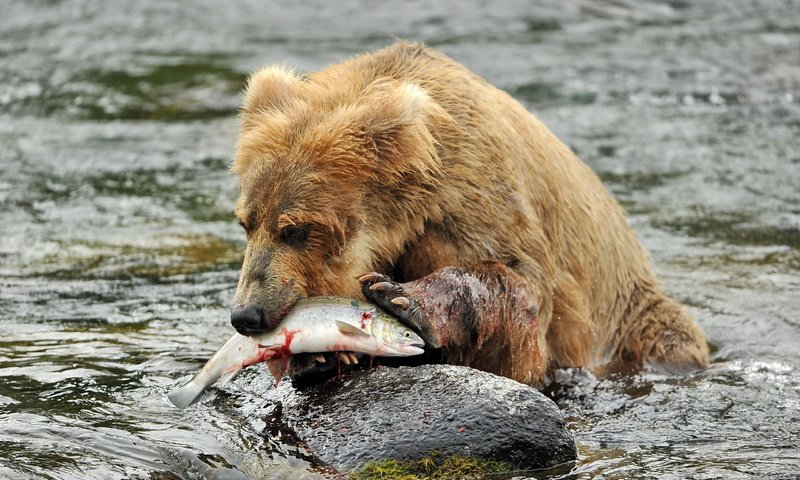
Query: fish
[[313, 325]]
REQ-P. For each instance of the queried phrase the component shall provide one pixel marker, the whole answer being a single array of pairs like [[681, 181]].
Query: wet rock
[[405, 413]]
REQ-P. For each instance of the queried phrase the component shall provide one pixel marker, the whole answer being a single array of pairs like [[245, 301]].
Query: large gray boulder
[[405, 413]]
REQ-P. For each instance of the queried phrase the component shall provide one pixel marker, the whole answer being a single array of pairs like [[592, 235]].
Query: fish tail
[[186, 395]]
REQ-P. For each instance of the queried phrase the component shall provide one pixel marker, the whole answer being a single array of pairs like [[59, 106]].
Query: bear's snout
[[249, 319]]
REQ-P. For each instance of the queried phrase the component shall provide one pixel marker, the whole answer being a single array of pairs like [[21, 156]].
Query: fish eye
[[407, 334]]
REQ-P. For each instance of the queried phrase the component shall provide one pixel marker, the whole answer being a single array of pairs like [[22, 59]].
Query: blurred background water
[[119, 252]]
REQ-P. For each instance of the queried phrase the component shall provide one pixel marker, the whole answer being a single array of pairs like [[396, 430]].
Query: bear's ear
[[399, 105], [270, 88], [399, 120]]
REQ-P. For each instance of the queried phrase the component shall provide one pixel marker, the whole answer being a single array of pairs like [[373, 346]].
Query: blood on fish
[[283, 350], [365, 317]]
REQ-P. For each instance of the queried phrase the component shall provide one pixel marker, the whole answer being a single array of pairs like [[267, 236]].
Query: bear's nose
[[249, 319]]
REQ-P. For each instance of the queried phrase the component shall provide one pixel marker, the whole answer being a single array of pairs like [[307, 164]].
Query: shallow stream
[[119, 252]]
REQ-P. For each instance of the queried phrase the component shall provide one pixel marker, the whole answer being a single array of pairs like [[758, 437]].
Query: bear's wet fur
[[474, 223]]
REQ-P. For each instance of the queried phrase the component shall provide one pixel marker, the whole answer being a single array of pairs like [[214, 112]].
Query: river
[[119, 253]]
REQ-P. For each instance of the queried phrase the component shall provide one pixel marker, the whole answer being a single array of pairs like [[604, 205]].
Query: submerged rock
[[406, 413]]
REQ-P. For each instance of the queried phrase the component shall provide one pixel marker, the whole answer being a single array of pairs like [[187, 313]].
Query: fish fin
[[350, 329], [277, 367], [186, 395], [227, 377]]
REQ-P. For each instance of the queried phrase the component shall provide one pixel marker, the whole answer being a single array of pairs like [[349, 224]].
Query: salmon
[[314, 325]]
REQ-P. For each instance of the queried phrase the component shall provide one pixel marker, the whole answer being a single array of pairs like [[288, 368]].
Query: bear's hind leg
[[663, 334]]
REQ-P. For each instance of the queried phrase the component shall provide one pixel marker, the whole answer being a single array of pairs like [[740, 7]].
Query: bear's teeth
[[318, 358], [348, 358], [343, 357]]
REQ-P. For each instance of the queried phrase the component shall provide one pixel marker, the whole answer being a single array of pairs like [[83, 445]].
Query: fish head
[[395, 338]]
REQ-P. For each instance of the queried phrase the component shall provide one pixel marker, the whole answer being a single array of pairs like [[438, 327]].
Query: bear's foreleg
[[483, 315]]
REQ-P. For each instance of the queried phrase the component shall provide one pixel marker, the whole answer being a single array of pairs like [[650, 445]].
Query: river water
[[119, 251]]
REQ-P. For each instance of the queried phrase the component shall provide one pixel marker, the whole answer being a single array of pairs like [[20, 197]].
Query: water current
[[119, 253]]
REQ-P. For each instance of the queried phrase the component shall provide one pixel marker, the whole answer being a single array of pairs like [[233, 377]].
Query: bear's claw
[[387, 294], [364, 277], [381, 286], [402, 302], [391, 297]]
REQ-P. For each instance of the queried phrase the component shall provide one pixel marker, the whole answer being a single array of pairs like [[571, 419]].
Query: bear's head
[[335, 174]]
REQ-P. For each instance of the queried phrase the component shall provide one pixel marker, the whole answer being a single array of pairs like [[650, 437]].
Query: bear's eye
[[295, 235], [243, 225]]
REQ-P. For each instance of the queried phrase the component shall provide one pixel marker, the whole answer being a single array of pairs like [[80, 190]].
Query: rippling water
[[119, 252]]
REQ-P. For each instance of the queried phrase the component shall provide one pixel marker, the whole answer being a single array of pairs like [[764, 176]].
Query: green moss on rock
[[433, 467]]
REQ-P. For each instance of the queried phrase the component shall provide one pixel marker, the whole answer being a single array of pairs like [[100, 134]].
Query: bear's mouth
[[318, 367], [306, 369]]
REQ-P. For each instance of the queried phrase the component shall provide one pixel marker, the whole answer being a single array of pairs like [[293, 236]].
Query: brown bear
[[481, 229]]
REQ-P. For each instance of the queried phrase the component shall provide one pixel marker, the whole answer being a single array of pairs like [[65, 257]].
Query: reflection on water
[[120, 253]]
